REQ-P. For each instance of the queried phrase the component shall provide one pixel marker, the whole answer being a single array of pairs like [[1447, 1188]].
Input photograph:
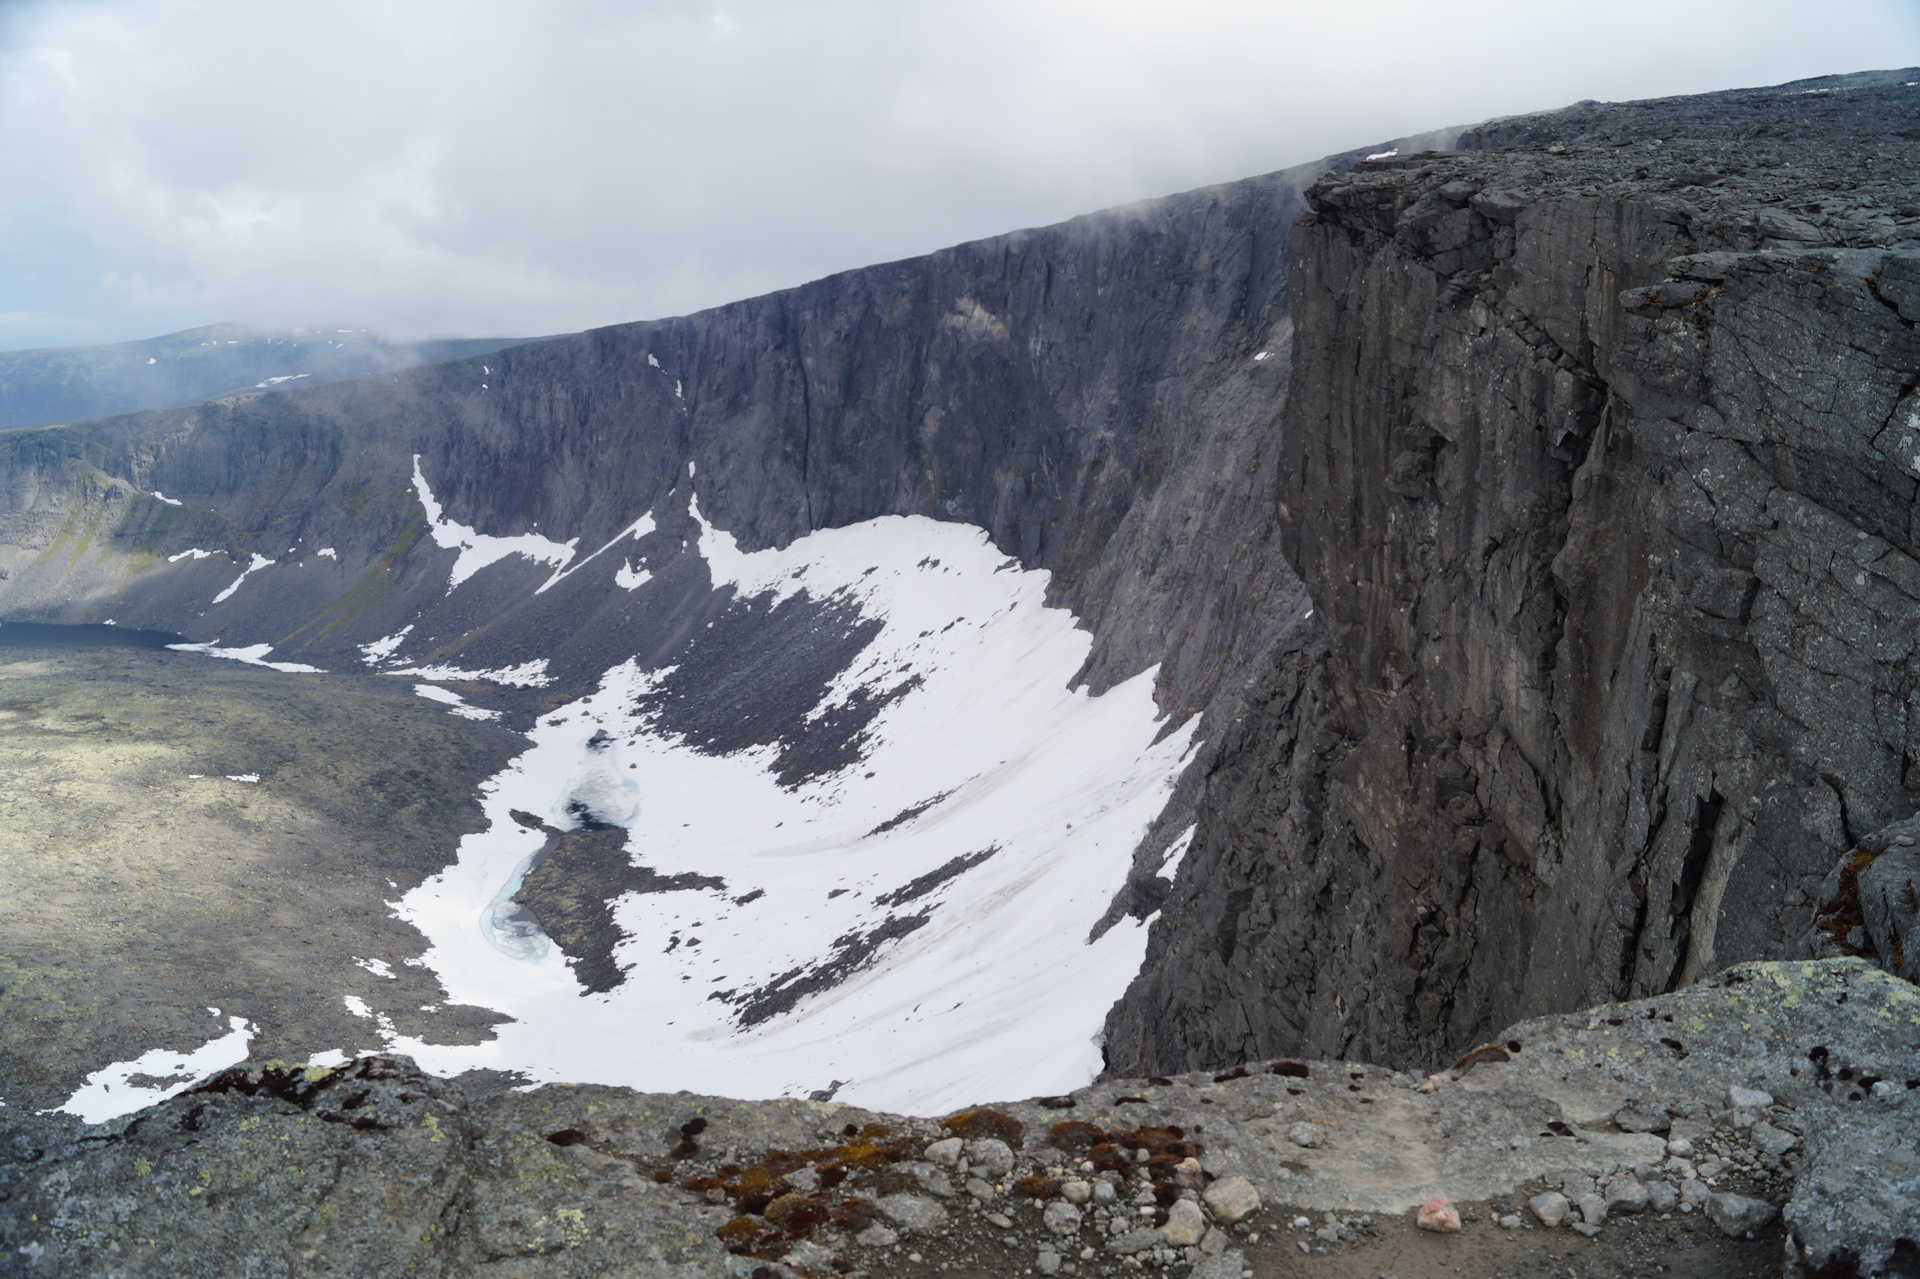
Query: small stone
[[1104, 1193], [1551, 1208], [990, 1157], [1304, 1135], [1216, 1242], [1139, 1239], [877, 1236], [1227, 1265], [1047, 1263], [1076, 1191], [1187, 1172], [1231, 1199], [1438, 1215], [980, 1190], [1736, 1214], [1000, 1219], [912, 1212], [1661, 1196], [1186, 1224], [946, 1152], [1773, 1142], [1888, 1090], [1679, 1147], [1585, 1229], [1693, 1194], [808, 1255], [1749, 1098], [1628, 1195], [1509, 1222], [1641, 1119], [1593, 1209], [1061, 1217]]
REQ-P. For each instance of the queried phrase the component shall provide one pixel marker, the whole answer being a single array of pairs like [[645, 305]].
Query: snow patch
[[254, 565], [379, 968], [243, 777], [526, 675], [194, 554], [931, 961], [636, 530], [252, 655], [477, 550], [108, 1094], [276, 381], [628, 578], [381, 649], [329, 552], [170, 501], [1177, 851], [456, 703], [1384, 155], [331, 1058]]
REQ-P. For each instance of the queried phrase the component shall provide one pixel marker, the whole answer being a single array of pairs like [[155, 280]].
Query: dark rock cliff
[[1599, 465]]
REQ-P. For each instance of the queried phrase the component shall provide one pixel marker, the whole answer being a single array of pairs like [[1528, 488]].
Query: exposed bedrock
[[1599, 465]]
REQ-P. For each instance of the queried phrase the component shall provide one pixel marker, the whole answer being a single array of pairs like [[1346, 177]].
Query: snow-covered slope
[[911, 922]]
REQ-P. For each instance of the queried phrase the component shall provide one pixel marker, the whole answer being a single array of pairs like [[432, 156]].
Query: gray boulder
[[1738, 1215]]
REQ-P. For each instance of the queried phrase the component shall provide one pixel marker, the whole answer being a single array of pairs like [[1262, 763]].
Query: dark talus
[[1599, 465]]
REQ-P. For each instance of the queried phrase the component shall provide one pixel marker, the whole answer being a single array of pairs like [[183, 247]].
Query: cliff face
[[1599, 466]]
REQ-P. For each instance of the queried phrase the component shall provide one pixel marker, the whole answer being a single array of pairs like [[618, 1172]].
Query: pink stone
[[1438, 1214]]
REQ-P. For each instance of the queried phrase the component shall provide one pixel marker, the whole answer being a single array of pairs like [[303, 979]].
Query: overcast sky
[[477, 168]]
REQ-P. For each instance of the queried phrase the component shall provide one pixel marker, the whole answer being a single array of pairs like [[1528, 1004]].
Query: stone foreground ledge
[[1794, 1082]]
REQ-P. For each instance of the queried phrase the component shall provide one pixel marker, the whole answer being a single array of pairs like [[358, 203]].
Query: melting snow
[[276, 381], [526, 675], [1384, 155], [243, 777], [170, 501], [194, 554], [477, 550], [456, 703], [378, 967], [629, 578], [254, 565], [252, 655], [332, 1057], [107, 1094], [381, 649], [329, 552], [970, 911], [636, 530]]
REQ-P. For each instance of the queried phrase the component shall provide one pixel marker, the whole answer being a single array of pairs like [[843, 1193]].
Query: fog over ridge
[[442, 169]]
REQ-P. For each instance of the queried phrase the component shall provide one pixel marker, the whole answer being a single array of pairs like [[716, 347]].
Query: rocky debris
[[378, 1161], [1439, 1216], [1870, 901]]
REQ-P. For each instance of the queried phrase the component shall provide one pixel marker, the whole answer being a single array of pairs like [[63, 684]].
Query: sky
[[477, 168]]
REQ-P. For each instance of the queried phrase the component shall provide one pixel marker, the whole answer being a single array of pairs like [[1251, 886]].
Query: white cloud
[[482, 167]]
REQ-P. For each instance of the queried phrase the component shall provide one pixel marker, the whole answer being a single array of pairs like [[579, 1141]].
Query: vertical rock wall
[[1599, 465]]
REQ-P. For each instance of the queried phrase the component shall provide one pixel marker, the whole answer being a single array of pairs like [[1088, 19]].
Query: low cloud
[[482, 167]]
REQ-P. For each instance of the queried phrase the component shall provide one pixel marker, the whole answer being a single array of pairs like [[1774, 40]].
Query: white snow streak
[[526, 675], [195, 554], [254, 565], [170, 501], [999, 993], [381, 649], [107, 1094], [477, 550], [252, 655], [636, 530], [457, 705]]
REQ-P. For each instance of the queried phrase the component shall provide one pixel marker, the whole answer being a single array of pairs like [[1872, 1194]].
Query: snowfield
[[913, 927]]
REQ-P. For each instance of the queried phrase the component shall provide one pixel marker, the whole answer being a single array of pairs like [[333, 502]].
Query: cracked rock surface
[[1765, 1082]]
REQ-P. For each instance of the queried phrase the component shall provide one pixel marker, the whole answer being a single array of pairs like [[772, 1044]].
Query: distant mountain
[[75, 383]]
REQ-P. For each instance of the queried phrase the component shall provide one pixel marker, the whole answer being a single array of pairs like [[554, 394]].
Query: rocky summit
[[1398, 671]]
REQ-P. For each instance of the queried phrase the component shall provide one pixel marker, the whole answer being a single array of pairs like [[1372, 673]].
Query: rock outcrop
[[1599, 467], [1761, 1087]]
